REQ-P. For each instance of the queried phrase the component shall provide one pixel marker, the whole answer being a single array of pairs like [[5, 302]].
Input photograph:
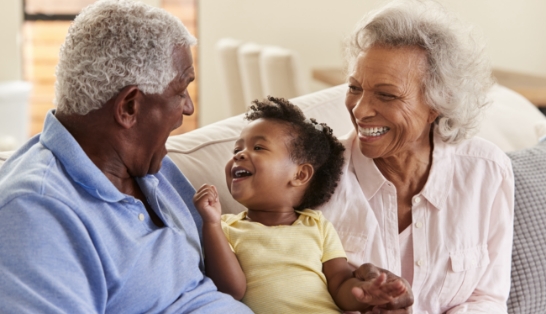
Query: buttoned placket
[[391, 229], [420, 244], [141, 213], [149, 184]]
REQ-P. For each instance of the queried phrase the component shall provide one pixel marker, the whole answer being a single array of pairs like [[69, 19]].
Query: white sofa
[[511, 122]]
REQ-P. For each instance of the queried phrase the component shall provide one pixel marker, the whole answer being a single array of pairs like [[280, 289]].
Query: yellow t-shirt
[[283, 264]]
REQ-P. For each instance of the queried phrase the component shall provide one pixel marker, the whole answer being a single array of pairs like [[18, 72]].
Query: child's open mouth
[[239, 172]]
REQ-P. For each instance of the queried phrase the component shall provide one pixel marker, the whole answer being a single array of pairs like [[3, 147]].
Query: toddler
[[280, 256]]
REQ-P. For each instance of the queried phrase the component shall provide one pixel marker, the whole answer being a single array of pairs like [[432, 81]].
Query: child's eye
[[236, 150], [257, 148]]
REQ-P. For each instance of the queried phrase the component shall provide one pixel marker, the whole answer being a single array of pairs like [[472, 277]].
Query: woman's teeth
[[373, 131]]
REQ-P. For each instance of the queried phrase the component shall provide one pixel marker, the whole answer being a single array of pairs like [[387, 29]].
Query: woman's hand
[[399, 305], [208, 204]]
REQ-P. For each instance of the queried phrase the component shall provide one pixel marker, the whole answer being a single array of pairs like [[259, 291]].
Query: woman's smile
[[371, 133]]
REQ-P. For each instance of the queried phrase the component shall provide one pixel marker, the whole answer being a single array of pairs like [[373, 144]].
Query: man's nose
[[188, 105]]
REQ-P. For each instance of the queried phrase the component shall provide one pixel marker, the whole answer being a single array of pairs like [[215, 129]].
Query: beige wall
[[514, 29], [11, 17], [155, 3]]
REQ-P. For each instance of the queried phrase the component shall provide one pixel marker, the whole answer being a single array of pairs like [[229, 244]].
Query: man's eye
[[353, 89]]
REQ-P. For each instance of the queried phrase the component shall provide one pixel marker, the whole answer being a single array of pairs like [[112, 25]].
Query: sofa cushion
[[528, 289], [511, 122]]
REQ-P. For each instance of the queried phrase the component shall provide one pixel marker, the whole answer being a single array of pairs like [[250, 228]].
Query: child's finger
[[207, 189], [394, 288], [200, 193], [370, 293], [214, 192], [203, 187], [203, 196], [360, 295], [380, 280]]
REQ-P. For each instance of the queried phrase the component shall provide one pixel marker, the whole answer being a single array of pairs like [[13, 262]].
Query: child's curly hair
[[311, 143]]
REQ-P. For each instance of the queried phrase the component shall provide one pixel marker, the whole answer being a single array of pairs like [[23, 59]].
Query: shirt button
[[141, 217], [420, 262], [418, 224], [417, 200]]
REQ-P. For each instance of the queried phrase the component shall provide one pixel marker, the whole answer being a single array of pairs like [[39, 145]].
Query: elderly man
[[93, 217]]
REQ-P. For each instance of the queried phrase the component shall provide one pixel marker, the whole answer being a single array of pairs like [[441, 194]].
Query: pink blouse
[[462, 225]]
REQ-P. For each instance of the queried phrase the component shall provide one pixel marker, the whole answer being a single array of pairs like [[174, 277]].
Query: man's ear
[[303, 175], [126, 106]]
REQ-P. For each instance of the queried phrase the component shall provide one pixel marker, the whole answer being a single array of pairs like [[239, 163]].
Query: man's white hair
[[112, 44], [458, 74]]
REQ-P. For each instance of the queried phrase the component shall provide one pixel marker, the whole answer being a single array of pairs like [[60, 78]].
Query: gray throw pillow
[[528, 289]]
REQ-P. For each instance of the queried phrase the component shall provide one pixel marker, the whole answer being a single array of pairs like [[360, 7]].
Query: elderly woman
[[419, 195]]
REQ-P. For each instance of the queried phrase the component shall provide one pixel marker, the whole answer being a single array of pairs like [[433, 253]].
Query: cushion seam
[[205, 144]]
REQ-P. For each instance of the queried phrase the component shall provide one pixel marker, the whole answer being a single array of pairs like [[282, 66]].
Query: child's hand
[[208, 204], [379, 291], [400, 304]]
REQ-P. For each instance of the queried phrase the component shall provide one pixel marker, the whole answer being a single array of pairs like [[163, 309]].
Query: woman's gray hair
[[112, 44], [458, 74]]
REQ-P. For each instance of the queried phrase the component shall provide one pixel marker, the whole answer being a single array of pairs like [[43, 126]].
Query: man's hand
[[208, 204], [399, 305]]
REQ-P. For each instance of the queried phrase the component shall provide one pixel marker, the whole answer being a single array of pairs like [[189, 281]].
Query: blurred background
[[31, 32]]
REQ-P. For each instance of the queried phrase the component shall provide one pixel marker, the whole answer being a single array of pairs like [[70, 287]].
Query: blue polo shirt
[[70, 242]]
